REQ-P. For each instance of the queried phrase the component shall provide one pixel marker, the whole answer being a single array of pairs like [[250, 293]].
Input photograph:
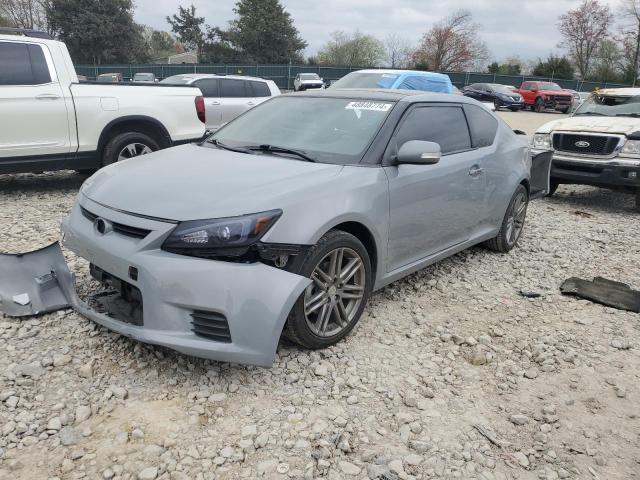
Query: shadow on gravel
[[31, 182], [593, 198]]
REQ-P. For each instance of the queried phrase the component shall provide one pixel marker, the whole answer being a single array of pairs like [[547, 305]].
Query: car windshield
[[309, 76], [366, 80], [143, 76], [501, 89], [549, 86], [610, 106], [328, 130], [177, 80]]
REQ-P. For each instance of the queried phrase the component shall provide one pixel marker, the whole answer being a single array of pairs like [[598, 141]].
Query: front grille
[[591, 144], [560, 98], [211, 325], [122, 229], [120, 300]]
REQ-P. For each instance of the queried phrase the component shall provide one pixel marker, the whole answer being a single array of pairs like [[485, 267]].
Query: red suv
[[542, 95]]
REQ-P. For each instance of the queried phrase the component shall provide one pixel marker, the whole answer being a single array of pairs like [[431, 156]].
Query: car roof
[[421, 73], [621, 92], [383, 94], [196, 76]]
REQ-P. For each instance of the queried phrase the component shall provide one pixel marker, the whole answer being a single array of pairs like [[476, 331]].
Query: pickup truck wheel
[[512, 224], [332, 304], [565, 110], [539, 106], [128, 145]]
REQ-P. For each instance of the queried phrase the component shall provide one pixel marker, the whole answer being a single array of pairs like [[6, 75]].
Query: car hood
[[194, 182], [594, 124]]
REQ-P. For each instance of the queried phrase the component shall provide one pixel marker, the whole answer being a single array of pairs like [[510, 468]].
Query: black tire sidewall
[[503, 230], [332, 240], [117, 143]]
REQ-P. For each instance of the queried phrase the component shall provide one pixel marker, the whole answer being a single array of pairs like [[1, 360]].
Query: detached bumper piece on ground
[[606, 292]]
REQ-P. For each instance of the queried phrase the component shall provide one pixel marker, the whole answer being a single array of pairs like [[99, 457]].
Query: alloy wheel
[[515, 220], [332, 300], [133, 150]]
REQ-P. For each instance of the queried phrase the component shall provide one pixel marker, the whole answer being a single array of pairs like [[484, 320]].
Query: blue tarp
[[423, 81]]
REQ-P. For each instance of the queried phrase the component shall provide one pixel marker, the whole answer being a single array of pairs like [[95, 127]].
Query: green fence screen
[[283, 75]]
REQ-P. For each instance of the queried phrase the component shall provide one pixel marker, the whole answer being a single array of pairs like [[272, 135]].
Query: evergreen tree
[[188, 27]]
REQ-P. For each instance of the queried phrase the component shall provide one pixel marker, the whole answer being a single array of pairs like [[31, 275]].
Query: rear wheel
[[128, 145], [513, 222], [539, 105], [340, 270]]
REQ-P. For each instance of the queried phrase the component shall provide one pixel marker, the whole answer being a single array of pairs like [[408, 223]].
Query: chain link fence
[[283, 75]]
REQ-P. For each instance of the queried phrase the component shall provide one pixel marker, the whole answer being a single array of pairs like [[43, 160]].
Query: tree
[[160, 44], [607, 66], [4, 22], [263, 32], [24, 13], [189, 28], [453, 44], [504, 68], [398, 51], [583, 30], [98, 31], [554, 67], [630, 39], [353, 50]]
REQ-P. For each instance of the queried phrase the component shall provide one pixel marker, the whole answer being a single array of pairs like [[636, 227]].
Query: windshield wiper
[[590, 113], [275, 149], [219, 144]]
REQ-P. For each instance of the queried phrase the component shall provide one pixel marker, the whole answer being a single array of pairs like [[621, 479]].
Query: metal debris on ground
[[606, 292]]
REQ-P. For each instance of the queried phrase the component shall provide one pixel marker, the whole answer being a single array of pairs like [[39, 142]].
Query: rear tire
[[327, 310], [512, 223], [539, 105], [117, 148]]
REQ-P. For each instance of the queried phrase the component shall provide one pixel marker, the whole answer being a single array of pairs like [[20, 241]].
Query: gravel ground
[[451, 373]]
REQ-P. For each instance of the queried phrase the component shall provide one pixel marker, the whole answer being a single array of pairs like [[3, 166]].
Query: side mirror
[[419, 152]]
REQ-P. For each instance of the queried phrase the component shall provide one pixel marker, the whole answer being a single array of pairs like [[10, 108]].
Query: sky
[[527, 28]]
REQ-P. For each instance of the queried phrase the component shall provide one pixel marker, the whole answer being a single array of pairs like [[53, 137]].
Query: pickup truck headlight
[[220, 237], [631, 147], [541, 141]]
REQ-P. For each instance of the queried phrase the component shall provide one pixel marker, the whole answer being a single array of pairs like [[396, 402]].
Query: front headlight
[[220, 237], [541, 141], [631, 147]]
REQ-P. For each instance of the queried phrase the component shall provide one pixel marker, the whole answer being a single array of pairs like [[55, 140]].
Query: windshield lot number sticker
[[372, 106]]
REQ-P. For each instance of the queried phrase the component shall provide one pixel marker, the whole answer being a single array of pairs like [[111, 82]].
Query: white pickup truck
[[598, 145], [49, 121]]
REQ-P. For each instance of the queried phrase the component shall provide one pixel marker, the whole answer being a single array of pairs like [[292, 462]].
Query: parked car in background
[[272, 225], [226, 97], [599, 144], [109, 78], [82, 78], [456, 90], [57, 123], [545, 95], [142, 77], [500, 95], [579, 99], [307, 81], [397, 79]]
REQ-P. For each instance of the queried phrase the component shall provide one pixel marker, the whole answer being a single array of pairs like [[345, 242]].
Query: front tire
[[565, 110], [514, 109], [332, 305], [513, 222], [128, 145]]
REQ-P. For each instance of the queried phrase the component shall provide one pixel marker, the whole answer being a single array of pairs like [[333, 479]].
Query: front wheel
[[330, 307], [513, 222], [514, 109], [565, 110], [128, 145]]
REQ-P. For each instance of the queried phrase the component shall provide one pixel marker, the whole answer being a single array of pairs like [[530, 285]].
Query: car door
[[526, 93], [212, 101], [234, 98], [433, 207], [32, 105], [259, 91]]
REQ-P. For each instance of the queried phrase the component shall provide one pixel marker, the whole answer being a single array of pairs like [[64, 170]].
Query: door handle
[[475, 171], [47, 96], [215, 102]]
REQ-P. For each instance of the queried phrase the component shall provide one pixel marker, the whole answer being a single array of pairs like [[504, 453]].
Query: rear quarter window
[[259, 89], [482, 125]]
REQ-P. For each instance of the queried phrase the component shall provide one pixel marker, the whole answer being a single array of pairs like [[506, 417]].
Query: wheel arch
[[134, 123], [364, 234]]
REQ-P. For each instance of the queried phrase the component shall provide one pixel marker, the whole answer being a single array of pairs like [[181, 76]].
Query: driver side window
[[445, 125]]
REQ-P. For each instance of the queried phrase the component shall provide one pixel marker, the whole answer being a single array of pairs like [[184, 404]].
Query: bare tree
[[583, 30], [24, 13], [354, 49], [399, 51], [630, 38], [452, 44]]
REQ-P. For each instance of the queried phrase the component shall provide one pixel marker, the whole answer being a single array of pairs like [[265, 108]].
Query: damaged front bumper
[[224, 311]]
